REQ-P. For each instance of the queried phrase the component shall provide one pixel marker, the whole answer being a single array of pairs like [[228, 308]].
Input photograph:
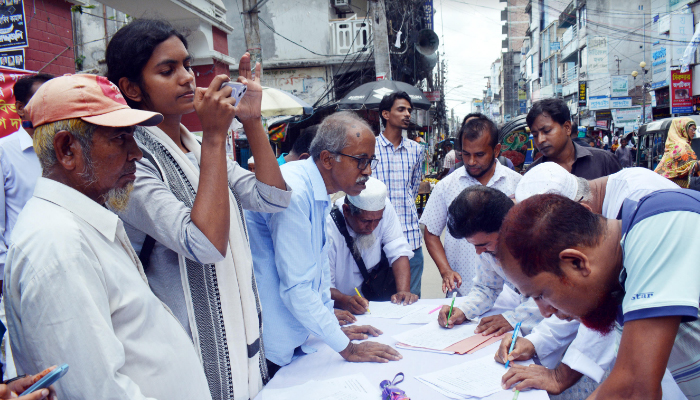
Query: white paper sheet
[[387, 309], [419, 317], [477, 378], [352, 387], [436, 337]]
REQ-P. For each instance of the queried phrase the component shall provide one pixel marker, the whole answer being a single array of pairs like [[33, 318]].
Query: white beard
[[364, 242]]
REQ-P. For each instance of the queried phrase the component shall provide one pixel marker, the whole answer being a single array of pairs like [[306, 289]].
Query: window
[[582, 17]]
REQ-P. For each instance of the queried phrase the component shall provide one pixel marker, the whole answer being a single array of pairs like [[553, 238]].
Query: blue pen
[[512, 343]]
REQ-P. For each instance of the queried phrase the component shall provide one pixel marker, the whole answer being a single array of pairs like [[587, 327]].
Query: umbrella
[[278, 102], [370, 94]]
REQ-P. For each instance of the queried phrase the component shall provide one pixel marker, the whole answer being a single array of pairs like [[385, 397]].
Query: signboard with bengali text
[[10, 122], [582, 94], [13, 29], [432, 96], [619, 86], [620, 102], [681, 92], [598, 102]]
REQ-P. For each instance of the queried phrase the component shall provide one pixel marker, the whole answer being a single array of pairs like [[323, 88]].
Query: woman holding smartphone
[[185, 215]]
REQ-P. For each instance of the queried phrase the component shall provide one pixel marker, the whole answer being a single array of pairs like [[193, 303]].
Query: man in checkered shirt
[[400, 168]]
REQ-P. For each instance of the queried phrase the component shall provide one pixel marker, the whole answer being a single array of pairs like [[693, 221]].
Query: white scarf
[[230, 286]]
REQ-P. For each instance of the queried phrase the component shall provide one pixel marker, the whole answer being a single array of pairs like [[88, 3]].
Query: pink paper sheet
[[473, 343]]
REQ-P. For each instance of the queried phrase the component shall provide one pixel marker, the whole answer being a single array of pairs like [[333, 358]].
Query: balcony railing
[[343, 32], [570, 75], [570, 52]]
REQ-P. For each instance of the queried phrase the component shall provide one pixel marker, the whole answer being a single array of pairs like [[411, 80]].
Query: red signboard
[[681, 92], [9, 120], [432, 96], [601, 124]]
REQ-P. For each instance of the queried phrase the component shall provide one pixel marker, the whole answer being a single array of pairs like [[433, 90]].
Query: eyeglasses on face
[[362, 162]]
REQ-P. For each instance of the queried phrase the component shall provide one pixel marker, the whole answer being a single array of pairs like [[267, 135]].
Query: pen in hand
[[358, 293], [454, 296], [512, 343]]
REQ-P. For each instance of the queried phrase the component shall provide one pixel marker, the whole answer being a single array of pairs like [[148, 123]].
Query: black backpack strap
[[340, 223], [149, 242]]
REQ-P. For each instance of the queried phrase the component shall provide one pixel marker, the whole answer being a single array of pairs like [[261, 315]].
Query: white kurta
[[76, 293], [345, 274]]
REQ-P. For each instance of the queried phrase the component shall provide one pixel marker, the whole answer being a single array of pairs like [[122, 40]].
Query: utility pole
[[252, 31], [382, 61]]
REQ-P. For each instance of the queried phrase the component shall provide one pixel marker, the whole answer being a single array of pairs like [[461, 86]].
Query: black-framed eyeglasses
[[362, 162]]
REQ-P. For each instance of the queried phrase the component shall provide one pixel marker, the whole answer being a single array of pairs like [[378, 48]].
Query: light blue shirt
[[290, 257], [20, 171]]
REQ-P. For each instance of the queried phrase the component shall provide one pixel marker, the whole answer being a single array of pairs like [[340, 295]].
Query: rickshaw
[[651, 141], [516, 143]]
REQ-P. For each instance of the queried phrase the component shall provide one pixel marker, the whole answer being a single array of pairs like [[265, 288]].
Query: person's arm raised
[[249, 113], [210, 211]]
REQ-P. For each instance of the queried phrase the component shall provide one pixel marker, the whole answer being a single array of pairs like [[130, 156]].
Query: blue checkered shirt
[[400, 168]]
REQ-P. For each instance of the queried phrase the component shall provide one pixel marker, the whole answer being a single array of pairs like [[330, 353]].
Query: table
[[327, 364]]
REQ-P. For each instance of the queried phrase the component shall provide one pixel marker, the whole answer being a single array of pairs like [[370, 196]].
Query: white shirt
[[449, 160], [76, 293], [590, 353], [345, 274], [488, 285], [20, 170], [461, 255]]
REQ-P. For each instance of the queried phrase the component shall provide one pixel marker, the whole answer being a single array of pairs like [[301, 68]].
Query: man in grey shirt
[[624, 154]]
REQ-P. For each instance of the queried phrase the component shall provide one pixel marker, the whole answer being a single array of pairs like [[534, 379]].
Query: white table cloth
[[327, 364]]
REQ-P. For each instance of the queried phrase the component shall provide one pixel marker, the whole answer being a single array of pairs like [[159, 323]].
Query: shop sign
[[620, 102], [598, 102], [13, 30], [582, 94], [681, 92]]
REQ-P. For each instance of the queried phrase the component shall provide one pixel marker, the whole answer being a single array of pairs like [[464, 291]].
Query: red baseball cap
[[92, 98]]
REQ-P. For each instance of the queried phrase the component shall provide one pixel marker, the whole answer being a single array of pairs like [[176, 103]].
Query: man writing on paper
[[476, 216], [373, 230], [457, 260], [588, 353], [290, 248], [640, 271]]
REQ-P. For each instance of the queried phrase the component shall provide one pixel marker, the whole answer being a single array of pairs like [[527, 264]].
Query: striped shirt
[[400, 170]]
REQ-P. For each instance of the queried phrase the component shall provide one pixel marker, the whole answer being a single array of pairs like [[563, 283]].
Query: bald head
[[337, 131]]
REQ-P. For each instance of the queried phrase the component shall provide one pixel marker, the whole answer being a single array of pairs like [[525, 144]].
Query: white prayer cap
[[251, 160], [372, 198], [548, 177]]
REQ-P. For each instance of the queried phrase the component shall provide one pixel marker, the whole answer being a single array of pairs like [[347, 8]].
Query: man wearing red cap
[[76, 292]]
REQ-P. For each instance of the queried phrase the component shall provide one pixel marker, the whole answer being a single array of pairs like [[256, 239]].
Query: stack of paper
[[387, 309], [473, 379], [353, 387], [432, 337]]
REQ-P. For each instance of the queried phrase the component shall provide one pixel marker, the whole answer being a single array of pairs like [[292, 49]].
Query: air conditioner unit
[[342, 6]]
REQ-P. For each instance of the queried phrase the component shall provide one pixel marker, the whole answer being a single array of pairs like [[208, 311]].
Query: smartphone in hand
[[239, 90], [48, 380]]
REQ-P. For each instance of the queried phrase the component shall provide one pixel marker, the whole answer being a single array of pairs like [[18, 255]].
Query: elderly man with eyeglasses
[[290, 249]]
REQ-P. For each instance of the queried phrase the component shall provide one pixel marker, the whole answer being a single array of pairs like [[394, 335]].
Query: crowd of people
[[140, 255]]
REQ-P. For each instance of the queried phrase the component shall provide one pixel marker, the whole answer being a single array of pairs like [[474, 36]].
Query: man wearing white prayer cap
[[366, 228], [588, 352], [602, 195]]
